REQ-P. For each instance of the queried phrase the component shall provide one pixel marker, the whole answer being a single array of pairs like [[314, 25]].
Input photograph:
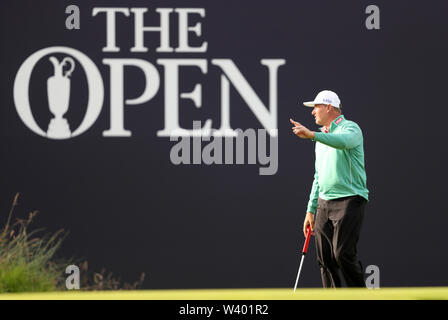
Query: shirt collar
[[333, 124]]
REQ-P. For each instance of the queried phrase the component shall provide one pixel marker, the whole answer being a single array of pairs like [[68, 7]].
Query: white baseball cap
[[325, 97]]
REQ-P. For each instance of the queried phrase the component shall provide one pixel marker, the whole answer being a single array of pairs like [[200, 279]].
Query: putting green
[[421, 293]]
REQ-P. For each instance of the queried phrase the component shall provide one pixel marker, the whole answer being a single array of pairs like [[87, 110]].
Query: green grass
[[19, 278], [27, 260], [423, 293]]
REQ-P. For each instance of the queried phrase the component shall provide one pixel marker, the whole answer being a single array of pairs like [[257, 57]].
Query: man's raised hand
[[301, 131]]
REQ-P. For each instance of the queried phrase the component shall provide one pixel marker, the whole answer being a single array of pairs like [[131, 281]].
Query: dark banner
[[157, 133]]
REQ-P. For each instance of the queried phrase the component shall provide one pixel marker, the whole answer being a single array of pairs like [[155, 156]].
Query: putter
[[304, 250]]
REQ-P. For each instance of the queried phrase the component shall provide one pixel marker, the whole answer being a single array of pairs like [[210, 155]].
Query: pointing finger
[[294, 122]]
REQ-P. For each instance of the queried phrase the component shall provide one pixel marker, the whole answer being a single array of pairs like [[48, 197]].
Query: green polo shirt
[[339, 166]]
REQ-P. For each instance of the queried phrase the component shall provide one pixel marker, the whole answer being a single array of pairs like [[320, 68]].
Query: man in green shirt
[[339, 194]]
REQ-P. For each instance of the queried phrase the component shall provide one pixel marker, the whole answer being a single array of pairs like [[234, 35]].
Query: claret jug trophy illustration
[[58, 89]]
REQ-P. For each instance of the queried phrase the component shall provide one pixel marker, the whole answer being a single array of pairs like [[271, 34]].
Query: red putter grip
[[307, 240]]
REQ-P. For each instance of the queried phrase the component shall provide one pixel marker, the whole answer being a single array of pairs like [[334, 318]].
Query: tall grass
[[26, 260], [28, 263]]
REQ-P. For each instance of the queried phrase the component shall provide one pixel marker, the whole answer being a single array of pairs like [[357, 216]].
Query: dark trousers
[[337, 227]]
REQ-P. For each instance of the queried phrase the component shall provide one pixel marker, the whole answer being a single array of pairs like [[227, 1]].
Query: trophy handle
[[72, 65]]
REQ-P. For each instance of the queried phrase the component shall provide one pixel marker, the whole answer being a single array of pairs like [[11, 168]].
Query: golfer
[[338, 195]]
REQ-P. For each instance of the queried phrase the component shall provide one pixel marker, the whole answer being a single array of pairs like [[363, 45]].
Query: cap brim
[[309, 104]]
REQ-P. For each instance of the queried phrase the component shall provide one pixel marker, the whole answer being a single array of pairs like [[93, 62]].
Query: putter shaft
[[298, 273], [304, 250]]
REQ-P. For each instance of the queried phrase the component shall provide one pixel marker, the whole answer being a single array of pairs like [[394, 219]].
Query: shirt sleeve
[[348, 138], [314, 195]]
